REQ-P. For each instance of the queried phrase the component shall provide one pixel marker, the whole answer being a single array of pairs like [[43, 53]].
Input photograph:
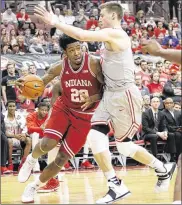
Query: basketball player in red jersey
[[81, 82]]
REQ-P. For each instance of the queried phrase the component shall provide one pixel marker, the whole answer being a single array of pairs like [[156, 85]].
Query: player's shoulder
[[117, 32], [94, 60]]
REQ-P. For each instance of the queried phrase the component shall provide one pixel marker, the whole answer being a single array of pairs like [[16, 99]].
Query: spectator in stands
[[6, 49], [16, 49], [69, 18], [144, 73], [137, 60], [154, 129], [166, 66], [21, 43], [33, 28], [150, 66], [179, 46], [128, 18], [9, 16], [24, 71], [163, 20], [173, 122], [56, 49], [150, 31], [22, 17], [36, 125], [41, 37], [125, 28], [8, 84], [177, 106], [172, 87], [136, 30], [160, 29], [151, 22], [140, 19], [135, 45], [16, 131], [4, 148], [91, 22], [28, 36], [12, 37], [155, 88], [176, 27], [36, 47], [95, 12], [6, 26], [82, 19], [32, 69], [160, 38], [138, 82], [170, 41], [3, 33], [163, 76], [146, 103]]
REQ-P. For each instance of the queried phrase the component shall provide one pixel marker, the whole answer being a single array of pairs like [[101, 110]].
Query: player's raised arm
[[111, 30], [56, 92], [53, 71]]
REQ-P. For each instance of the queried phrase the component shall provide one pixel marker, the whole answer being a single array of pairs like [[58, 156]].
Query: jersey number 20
[[75, 94]]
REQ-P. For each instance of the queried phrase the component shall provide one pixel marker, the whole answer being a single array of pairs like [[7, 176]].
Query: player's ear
[[113, 16]]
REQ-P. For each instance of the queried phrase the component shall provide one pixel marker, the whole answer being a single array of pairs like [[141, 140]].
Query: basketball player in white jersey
[[121, 103]]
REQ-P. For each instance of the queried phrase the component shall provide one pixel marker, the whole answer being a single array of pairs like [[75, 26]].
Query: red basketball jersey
[[75, 82]]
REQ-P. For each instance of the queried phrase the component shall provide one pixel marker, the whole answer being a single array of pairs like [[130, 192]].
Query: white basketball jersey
[[118, 68]]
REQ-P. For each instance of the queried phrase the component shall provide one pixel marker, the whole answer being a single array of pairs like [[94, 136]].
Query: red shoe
[[87, 165], [21, 164], [51, 185], [67, 166], [10, 167], [4, 170]]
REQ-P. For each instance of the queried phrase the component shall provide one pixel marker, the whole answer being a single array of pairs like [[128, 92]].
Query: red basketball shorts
[[69, 128]]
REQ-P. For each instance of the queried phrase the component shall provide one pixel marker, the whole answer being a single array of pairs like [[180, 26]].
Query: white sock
[[177, 202], [31, 159], [156, 164], [109, 175], [37, 183], [85, 151]]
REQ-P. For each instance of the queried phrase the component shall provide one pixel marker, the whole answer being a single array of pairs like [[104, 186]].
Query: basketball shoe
[[10, 167], [164, 178], [87, 165], [51, 186], [25, 171], [5, 170], [115, 193], [29, 193]]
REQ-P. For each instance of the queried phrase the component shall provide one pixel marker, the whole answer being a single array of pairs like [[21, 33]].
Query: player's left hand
[[46, 16], [86, 100]]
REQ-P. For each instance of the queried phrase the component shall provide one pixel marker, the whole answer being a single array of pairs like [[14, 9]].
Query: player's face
[[74, 53], [11, 108], [43, 111], [105, 19]]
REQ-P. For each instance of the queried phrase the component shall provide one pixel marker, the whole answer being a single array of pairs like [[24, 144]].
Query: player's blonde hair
[[113, 6]]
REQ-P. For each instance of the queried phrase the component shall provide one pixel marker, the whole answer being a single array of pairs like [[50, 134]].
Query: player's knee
[[47, 144], [127, 149], [97, 141], [28, 141], [62, 159]]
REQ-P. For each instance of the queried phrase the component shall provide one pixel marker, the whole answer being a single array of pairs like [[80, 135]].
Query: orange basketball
[[33, 87]]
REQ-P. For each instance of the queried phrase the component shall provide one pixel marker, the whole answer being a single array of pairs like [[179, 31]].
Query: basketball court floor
[[85, 187]]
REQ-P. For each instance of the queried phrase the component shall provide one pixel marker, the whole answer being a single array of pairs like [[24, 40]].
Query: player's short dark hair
[[65, 40], [113, 6], [43, 104], [10, 101]]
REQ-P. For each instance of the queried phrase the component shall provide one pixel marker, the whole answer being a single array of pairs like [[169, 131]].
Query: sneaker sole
[[28, 202], [47, 191], [117, 199]]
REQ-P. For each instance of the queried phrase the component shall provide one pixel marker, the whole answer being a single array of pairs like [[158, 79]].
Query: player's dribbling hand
[[151, 46], [19, 83]]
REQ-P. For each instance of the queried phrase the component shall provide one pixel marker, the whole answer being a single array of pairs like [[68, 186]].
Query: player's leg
[[177, 187], [68, 149], [52, 135], [125, 130], [99, 143]]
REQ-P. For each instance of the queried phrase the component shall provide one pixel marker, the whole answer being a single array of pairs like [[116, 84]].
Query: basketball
[[33, 87]]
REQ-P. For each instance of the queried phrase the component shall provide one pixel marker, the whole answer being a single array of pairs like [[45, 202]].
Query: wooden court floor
[[85, 187]]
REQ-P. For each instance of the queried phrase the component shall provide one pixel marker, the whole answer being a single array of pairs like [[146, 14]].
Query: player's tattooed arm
[[56, 92], [53, 71]]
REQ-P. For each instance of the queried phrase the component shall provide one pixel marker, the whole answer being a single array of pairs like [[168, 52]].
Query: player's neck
[[11, 116], [75, 66], [116, 25]]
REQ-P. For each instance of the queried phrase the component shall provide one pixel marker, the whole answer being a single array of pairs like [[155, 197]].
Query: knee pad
[[97, 141], [128, 149], [101, 128]]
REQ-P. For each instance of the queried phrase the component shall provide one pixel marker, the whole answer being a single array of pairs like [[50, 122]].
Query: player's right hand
[[19, 83]]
